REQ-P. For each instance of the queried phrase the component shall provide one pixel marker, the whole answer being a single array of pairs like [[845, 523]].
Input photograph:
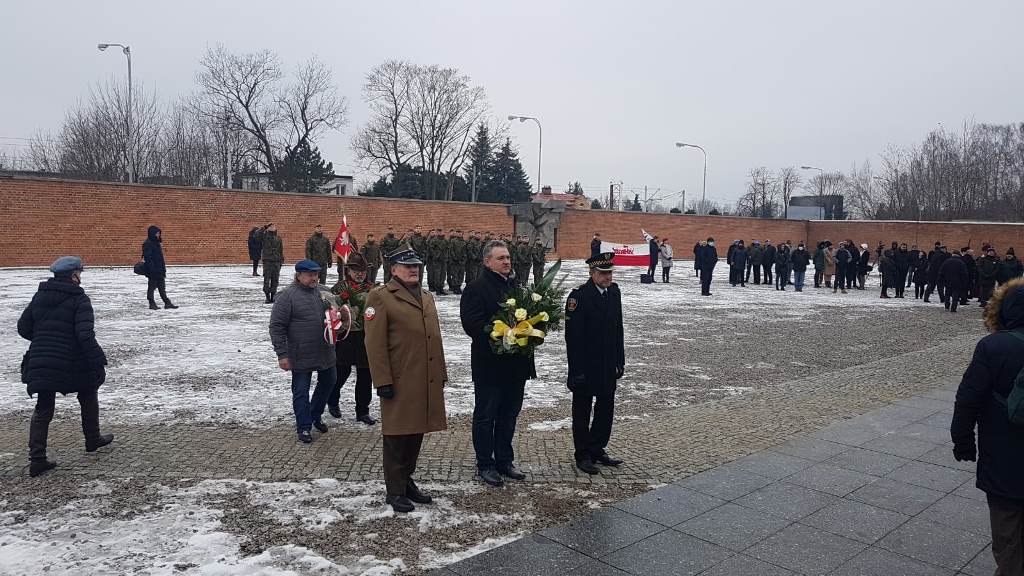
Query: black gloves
[[619, 371], [386, 392], [965, 452], [576, 382]]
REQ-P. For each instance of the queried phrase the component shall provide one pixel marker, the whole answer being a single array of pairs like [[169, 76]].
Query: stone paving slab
[[821, 504]]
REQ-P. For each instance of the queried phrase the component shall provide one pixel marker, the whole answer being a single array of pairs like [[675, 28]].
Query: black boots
[[491, 476], [37, 468], [510, 471], [400, 504], [319, 425], [366, 419], [269, 297], [413, 492], [587, 465], [38, 431], [99, 442], [153, 306], [168, 305]]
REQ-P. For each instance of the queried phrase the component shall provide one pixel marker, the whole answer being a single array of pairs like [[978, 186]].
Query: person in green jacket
[[539, 253], [456, 263], [388, 245], [273, 259], [319, 250]]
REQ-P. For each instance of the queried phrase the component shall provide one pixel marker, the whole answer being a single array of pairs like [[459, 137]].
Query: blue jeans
[[306, 411], [799, 274]]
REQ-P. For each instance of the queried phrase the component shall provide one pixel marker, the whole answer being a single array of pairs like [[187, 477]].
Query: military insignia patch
[[570, 304], [370, 313]]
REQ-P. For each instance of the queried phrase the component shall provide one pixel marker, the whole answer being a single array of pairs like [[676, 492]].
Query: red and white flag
[[342, 247]]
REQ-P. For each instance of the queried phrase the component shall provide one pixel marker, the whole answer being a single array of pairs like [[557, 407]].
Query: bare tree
[[761, 197], [382, 144], [246, 90], [788, 180]]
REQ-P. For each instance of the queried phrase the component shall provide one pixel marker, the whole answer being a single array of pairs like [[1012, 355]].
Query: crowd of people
[[394, 342], [958, 276], [452, 258]]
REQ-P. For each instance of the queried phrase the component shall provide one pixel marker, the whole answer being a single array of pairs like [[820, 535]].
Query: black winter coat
[[934, 262], [595, 248], [153, 254], [953, 274], [696, 255], [800, 259], [782, 257], [255, 244], [707, 259], [654, 250], [64, 355], [1009, 269], [480, 301], [739, 257], [921, 271], [998, 358], [594, 337], [902, 258], [842, 258], [863, 261], [769, 255]]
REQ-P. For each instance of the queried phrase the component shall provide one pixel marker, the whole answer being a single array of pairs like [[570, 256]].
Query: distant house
[[570, 200], [338, 185], [831, 205]]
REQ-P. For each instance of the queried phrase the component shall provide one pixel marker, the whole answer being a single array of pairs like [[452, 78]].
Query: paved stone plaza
[[206, 469]]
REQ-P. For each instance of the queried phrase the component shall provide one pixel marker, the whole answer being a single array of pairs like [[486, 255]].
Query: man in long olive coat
[[403, 346]]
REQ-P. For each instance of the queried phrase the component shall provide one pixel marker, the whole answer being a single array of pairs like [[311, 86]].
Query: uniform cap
[[405, 256], [602, 262], [66, 265], [307, 266]]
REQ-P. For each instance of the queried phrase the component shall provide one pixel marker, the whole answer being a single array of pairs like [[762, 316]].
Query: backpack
[[1014, 403]]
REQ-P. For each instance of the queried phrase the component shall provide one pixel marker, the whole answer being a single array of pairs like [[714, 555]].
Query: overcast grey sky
[[615, 84]]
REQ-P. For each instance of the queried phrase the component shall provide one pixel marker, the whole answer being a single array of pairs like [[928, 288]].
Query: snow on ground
[[211, 360], [184, 528]]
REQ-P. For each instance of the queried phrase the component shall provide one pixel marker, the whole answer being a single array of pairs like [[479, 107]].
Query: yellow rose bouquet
[[529, 313]]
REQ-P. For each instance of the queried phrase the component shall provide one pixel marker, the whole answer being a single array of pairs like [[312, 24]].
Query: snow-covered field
[[211, 360]]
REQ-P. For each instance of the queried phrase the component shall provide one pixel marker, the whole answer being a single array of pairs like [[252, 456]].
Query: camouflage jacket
[[418, 242], [457, 251], [319, 249], [474, 251], [273, 248], [388, 244], [539, 251], [371, 251], [437, 249]]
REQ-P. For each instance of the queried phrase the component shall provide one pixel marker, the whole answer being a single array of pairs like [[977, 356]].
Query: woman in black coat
[[156, 269], [256, 247], [63, 357], [981, 401], [903, 260]]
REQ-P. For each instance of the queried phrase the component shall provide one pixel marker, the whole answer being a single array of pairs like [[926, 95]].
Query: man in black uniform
[[706, 261], [595, 245], [595, 346]]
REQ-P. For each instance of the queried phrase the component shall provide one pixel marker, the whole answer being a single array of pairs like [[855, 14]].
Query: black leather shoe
[[153, 306], [319, 425], [400, 504], [412, 492], [512, 472], [492, 477], [37, 468], [335, 411], [305, 437], [169, 306], [587, 465], [100, 442], [607, 460], [366, 419]]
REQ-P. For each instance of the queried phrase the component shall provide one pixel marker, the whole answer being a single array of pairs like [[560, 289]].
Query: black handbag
[[140, 268]]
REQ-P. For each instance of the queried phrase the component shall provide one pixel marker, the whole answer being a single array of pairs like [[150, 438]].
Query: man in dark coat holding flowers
[[499, 380], [595, 346]]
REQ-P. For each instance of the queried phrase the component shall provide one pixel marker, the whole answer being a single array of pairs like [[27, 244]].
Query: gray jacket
[[297, 328]]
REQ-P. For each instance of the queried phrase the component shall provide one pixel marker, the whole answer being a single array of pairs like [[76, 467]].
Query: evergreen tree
[[595, 204], [481, 160], [303, 170], [635, 206], [507, 182]]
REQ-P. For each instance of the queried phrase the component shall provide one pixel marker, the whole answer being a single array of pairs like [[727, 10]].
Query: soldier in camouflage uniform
[[525, 259], [273, 258], [539, 252], [371, 253], [456, 261], [473, 261], [318, 249], [437, 254], [388, 244]]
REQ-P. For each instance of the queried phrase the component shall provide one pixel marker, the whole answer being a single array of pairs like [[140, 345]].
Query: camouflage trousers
[[523, 273], [456, 274], [538, 271], [436, 273], [271, 274]]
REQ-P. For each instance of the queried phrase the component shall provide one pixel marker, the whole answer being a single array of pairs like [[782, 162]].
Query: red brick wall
[[955, 235], [106, 223], [683, 230]]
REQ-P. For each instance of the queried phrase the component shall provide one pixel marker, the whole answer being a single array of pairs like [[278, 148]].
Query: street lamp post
[[704, 188], [540, 142], [821, 185], [131, 157]]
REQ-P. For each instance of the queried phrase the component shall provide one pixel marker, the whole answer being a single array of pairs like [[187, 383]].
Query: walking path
[[878, 494]]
